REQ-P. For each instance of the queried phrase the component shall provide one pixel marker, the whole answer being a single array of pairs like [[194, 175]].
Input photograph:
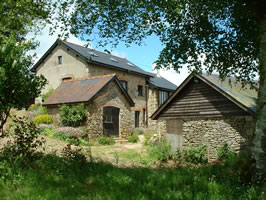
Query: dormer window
[[67, 77], [124, 84], [60, 61]]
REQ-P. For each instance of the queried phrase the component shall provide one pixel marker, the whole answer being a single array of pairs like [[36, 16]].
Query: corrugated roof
[[246, 96], [82, 90], [106, 59], [162, 83]]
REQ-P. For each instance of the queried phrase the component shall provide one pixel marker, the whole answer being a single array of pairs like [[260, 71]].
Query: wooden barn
[[207, 111]]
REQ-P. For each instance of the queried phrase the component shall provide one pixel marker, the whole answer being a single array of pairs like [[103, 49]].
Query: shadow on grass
[[51, 177]]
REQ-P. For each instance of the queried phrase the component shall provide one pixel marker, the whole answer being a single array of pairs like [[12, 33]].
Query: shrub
[[43, 119], [106, 140], [73, 156], [160, 151], [36, 110], [47, 94], [195, 155], [25, 143], [72, 115], [138, 131], [133, 138], [147, 139], [225, 152]]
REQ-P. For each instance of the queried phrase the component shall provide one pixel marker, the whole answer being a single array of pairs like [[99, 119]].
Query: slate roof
[[110, 61], [245, 98], [162, 83], [82, 90]]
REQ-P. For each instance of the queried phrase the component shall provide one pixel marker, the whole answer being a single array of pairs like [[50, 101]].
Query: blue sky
[[143, 56]]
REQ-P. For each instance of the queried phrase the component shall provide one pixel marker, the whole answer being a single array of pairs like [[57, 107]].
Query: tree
[[18, 86], [228, 35]]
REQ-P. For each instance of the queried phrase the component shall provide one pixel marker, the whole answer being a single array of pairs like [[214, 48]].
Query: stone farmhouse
[[119, 95], [204, 110]]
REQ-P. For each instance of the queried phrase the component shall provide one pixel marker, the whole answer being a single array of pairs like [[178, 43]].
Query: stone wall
[[132, 88], [153, 105], [116, 99], [235, 131], [110, 96]]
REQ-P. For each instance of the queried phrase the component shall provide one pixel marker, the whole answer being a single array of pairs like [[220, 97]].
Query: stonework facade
[[153, 104], [235, 131], [94, 121], [74, 66]]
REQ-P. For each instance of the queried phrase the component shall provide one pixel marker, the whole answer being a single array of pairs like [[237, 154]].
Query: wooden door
[[174, 134], [111, 121]]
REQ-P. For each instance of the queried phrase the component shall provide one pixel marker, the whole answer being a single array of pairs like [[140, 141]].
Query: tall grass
[[51, 177]]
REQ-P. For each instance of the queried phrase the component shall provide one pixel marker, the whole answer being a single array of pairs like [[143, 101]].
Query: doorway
[[111, 121]]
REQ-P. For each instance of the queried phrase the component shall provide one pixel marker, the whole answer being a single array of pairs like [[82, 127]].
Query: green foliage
[[47, 94], [72, 115], [138, 131], [73, 155], [147, 139], [195, 155], [225, 152], [70, 176], [133, 138], [43, 119], [217, 24], [25, 143], [160, 151], [18, 85], [106, 140]]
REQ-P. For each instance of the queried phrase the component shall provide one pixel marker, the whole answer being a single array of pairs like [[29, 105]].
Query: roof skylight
[[130, 64], [92, 53], [114, 60]]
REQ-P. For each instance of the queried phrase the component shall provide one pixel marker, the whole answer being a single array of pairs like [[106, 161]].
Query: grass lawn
[[51, 177]]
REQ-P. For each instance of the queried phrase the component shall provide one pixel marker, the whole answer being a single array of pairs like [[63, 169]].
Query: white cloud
[[172, 75], [121, 54]]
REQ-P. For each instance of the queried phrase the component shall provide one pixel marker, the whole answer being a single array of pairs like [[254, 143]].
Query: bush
[[47, 94], [73, 156], [160, 151], [225, 152], [147, 139], [138, 131], [72, 115], [36, 110], [25, 143], [195, 155], [43, 119], [106, 140], [133, 138]]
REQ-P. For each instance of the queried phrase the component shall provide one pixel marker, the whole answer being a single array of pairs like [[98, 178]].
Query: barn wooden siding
[[199, 100]]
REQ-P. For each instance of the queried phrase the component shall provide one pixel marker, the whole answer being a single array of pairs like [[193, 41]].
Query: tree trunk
[[259, 140], [4, 115]]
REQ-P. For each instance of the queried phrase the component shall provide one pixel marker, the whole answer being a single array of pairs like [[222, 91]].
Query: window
[[163, 96], [136, 119], [140, 90], [144, 116], [124, 84], [107, 116], [67, 79], [59, 60]]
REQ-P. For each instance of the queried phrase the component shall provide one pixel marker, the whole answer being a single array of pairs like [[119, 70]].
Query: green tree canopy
[[18, 86]]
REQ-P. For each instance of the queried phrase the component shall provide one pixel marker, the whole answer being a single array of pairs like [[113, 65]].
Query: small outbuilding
[[204, 110], [108, 104]]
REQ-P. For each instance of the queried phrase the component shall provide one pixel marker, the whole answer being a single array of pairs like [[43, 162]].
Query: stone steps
[[120, 140]]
